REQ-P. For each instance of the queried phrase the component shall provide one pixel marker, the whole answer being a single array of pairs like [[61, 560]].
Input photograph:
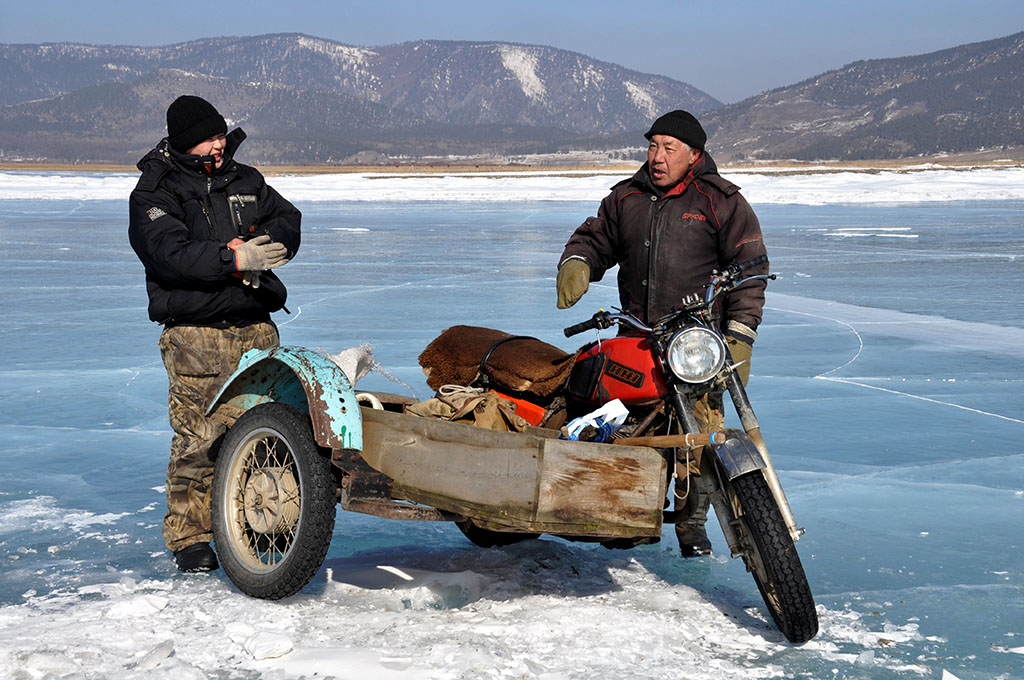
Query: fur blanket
[[518, 365]]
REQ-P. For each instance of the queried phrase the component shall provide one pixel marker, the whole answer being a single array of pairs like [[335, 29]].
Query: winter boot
[[693, 540], [196, 557]]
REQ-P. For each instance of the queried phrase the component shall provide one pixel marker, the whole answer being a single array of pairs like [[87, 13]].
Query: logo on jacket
[[155, 213], [694, 216]]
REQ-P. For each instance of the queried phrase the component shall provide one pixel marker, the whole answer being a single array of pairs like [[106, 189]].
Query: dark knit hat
[[681, 125], [191, 120]]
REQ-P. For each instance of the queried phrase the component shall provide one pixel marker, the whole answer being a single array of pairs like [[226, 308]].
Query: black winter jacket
[[180, 222], [666, 243]]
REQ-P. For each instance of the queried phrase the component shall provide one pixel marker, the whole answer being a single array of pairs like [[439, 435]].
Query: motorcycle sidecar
[[300, 442]]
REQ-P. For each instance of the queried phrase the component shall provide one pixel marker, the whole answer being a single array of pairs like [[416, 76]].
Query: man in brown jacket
[[667, 228]]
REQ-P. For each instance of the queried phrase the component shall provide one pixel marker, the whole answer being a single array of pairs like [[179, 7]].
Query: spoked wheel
[[485, 538], [273, 502], [771, 558]]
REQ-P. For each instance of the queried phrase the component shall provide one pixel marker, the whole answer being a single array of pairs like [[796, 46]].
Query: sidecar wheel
[[485, 538], [772, 559], [273, 502]]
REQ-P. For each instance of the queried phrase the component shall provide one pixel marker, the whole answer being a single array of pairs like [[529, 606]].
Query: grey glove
[[251, 279], [573, 281], [259, 254]]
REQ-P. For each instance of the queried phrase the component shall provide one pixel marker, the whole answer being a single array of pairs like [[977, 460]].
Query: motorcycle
[[665, 374], [301, 441]]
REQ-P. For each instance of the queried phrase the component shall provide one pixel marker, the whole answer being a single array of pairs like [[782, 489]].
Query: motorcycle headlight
[[696, 355]]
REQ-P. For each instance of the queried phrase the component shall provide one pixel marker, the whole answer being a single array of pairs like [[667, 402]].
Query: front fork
[[748, 420], [753, 429]]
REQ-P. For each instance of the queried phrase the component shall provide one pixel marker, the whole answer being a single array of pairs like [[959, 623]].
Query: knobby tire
[[781, 578], [272, 564]]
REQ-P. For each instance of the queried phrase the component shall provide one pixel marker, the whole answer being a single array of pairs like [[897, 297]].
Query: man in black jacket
[[208, 230]]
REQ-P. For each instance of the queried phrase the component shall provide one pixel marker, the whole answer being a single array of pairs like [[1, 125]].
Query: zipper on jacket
[[209, 222], [206, 212], [656, 227]]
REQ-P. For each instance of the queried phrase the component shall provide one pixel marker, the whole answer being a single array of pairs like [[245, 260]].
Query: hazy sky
[[731, 50]]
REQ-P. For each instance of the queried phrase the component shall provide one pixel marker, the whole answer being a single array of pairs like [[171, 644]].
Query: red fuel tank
[[619, 368]]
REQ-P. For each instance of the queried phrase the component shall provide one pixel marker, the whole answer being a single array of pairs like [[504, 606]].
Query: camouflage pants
[[199, 361]]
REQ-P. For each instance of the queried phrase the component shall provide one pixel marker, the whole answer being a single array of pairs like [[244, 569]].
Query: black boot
[[196, 557], [693, 540]]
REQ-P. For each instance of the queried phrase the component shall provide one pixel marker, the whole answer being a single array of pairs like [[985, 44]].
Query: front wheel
[[273, 502], [771, 558]]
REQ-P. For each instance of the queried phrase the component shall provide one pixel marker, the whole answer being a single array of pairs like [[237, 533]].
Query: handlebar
[[604, 319], [721, 282], [578, 328], [737, 268]]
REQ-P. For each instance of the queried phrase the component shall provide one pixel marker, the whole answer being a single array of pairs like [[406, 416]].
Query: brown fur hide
[[520, 365]]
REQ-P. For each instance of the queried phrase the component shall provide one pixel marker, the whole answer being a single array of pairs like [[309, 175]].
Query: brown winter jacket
[[667, 243]]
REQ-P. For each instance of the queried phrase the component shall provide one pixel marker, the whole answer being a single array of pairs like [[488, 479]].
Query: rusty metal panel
[[518, 480], [452, 460], [302, 378]]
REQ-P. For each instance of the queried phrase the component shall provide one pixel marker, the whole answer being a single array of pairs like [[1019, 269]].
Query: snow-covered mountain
[[963, 99], [465, 95]]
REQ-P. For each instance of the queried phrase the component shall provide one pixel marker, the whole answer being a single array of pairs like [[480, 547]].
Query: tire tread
[[798, 619], [317, 517]]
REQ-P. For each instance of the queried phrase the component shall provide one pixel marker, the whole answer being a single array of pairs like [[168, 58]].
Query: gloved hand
[[740, 351], [573, 281], [251, 279], [259, 254]]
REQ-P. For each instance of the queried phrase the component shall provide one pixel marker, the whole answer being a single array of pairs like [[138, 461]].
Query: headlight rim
[[713, 338]]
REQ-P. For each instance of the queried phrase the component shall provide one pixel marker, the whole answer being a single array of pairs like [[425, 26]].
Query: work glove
[[740, 339], [573, 281], [740, 351], [259, 254], [251, 279]]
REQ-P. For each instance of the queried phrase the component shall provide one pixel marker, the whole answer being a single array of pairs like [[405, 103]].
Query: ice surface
[[887, 377]]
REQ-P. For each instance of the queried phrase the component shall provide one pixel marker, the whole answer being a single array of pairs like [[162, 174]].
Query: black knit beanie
[[681, 125], [191, 120]]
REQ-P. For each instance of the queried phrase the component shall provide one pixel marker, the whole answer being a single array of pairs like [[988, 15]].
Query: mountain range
[[307, 100], [303, 99], [964, 99]]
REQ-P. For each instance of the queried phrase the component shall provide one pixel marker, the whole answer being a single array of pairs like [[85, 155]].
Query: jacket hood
[[164, 154]]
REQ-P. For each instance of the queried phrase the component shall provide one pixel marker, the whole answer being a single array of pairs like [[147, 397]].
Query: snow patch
[[642, 99], [354, 56], [522, 64], [587, 76], [762, 186], [267, 645], [535, 610], [45, 513]]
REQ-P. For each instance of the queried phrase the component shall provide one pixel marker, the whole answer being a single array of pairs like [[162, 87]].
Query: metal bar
[[753, 430], [393, 510]]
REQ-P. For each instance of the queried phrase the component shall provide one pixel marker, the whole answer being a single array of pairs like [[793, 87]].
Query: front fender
[[301, 378], [739, 455]]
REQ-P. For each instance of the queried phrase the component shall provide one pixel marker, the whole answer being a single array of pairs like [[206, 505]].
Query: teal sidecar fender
[[301, 378]]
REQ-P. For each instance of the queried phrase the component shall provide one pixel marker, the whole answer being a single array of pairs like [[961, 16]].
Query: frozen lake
[[887, 377]]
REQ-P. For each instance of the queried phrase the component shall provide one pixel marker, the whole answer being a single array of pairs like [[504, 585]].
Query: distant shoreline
[[992, 159]]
